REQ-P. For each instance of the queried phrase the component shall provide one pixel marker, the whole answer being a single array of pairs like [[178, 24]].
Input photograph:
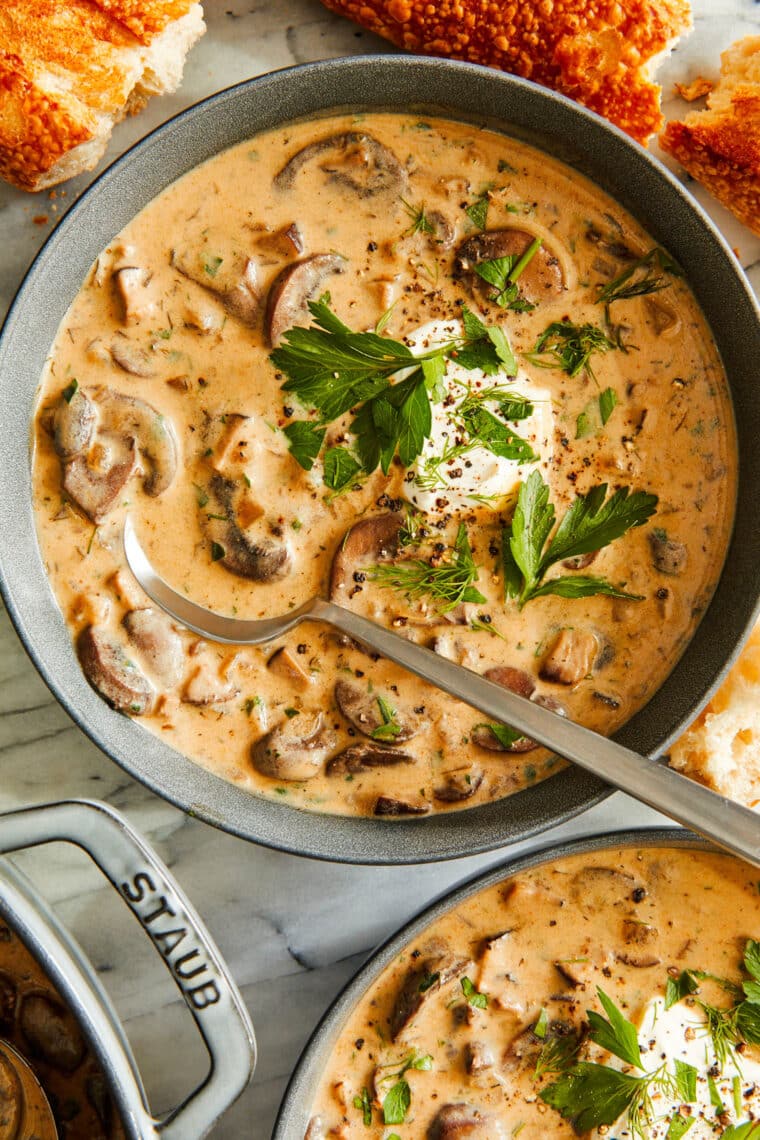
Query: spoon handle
[[731, 826]]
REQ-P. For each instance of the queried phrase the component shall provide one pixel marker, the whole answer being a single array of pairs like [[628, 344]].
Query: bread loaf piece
[[720, 147], [602, 54], [722, 747], [69, 71]]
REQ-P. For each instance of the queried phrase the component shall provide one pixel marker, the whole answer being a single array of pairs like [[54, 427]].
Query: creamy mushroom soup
[[612, 994], [419, 367]]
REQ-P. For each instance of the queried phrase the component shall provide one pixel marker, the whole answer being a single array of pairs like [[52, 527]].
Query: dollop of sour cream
[[454, 472], [680, 1033]]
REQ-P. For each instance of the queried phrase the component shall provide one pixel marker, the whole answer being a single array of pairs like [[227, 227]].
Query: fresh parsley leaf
[[305, 439], [477, 211], [569, 347], [396, 1103], [485, 429], [434, 371], [680, 987], [217, 552], [390, 727], [640, 277], [748, 1130], [686, 1081], [340, 468], [364, 1104], [531, 524], [618, 1035], [449, 582], [211, 264], [542, 1024], [752, 959], [607, 404], [679, 1126], [589, 1095], [557, 1054], [582, 586], [503, 273], [428, 982], [592, 523], [70, 390], [474, 998], [504, 734]]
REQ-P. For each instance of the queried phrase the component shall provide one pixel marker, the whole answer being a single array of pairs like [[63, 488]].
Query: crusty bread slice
[[69, 71], [720, 147], [600, 54], [722, 747]]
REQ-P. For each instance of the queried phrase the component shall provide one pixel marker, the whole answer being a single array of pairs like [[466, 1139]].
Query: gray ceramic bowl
[[295, 1110], [460, 91]]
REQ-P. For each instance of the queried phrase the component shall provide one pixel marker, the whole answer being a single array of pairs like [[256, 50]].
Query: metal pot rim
[[461, 91]]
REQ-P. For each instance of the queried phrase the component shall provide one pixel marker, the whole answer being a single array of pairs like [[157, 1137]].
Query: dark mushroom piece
[[95, 481], [152, 431], [638, 937], [352, 159], [429, 975], [374, 539], [161, 648], [234, 281], [295, 749], [444, 233], [73, 424], [571, 657], [131, 358], [479, 1058], [517, 681], [287, 302], [464, 1122], [541, 277], [394, 805], [668, 556], [366, 757], [51, 1032], [112, 674], [458, 784], [594, 888], [8, 999], [284, 664], [261, 560], [611, 245], [365, 712]]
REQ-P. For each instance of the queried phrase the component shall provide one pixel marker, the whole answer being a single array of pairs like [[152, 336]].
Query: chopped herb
[[679, 1126], [450, 582], [211, 265], [290, 713], [247, 481], [504, 166], [607, 403], [748, 1130], [217, 551], [592, 522], [477, 211], [478, 1000], [70, 391], [485, 430], [503, 272], [306, 439], [364, 1104], [397, 1100], [569, 347], [640, 278], [164, 334], [340, 468], [252, 703], [419, 221], [505, 735], [390, 728], [557, 1054], [542, 1024], [428, 982]]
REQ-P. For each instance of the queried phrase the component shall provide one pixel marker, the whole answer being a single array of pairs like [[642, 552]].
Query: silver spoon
[[728, 824]]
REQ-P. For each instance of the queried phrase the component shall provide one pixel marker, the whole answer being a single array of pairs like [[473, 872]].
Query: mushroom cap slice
[[131, 358], [517, 681], [96, 488], [352, 159], [464, 1122], [287, 302], [373, 539], [458, 784], [424, 982], [394, 805], [363, 710], [112, 674], [295, 749], [541, 278], [74, 422], [261, 560], [232, 277], [161, 648], [153, 432], [364, 757]]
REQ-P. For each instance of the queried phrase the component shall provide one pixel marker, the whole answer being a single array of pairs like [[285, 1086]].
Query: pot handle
[[177, 932]]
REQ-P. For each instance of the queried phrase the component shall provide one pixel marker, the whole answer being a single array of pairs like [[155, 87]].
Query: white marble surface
[[292, 930]]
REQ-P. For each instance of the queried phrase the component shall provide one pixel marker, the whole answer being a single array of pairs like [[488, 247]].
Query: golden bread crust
[[720, 147], [595, 51], [145, 18]]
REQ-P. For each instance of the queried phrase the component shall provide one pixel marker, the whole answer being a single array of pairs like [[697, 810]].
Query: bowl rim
[[280, 97], [294, 1111]]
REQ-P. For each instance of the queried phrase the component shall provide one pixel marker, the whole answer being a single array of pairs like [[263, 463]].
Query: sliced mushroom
[[517, 681], [464, 1122], [233, 278], [132, 286], [668, 556], [571, 657], [596, 887], [262, 560], [479, 1058], [541, 277], [581, 561], [153, 432], [285, 665], [394, 805], [638, 937], [444, 233], [429, 975], [287, 302], [110, 671], [365, 757], [374, 539], [664, 318], [613, 247], [95, 481], [131, 358], [286, 241], [295, 749], [352, 159], [458, 784], [206, 687], [161, 648], [51, 1032], [579, 972], [364, 711], [74, 422]]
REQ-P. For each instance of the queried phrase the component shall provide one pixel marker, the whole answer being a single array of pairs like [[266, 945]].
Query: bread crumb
[[694, 90]]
